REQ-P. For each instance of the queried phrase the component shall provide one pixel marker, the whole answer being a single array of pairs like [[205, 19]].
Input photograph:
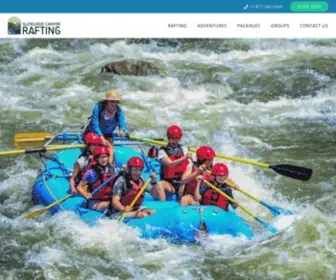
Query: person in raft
[[205, 156], [126, 188], [106, 116], [174, 159], [94, 177], [85, 160], [206, 195]]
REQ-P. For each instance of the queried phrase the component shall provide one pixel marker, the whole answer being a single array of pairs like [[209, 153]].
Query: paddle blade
[[42, 210], [271, 228], [31, 139], [292, 171], [276, 210], [35, 213]]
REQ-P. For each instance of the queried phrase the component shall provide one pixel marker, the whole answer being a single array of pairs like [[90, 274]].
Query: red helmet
[[135, 162], [101, 150], [174, 132], [92, 138], [205, 153], [220, 169]]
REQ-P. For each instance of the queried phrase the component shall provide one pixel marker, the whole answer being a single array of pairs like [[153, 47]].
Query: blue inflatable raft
[[171, 221]]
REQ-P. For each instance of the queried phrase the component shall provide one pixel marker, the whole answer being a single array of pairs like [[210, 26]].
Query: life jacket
[[173, 172], [191, 186], [211, 197], [132, 190], [103, 174]]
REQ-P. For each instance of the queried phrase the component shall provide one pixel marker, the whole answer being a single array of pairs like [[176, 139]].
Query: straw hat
[[112, 95]]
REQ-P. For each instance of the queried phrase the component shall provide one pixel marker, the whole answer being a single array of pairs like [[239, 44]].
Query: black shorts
[[176, 184], [109, 137]]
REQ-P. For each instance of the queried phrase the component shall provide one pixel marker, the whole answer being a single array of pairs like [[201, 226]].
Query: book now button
[[309, 6]]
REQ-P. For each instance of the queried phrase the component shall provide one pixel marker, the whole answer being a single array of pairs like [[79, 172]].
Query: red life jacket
[[211, 197], [132, 190], [191, 186], [103, 174], [174, 172]]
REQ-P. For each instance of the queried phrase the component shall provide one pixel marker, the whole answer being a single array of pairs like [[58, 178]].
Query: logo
[[14, 26]]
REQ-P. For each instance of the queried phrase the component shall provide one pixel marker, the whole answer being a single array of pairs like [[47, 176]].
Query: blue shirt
[[101, 126], [90, 176]]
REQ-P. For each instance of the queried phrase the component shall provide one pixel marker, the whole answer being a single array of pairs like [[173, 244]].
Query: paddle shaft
[[266, 225], [42, 210], [292, 171], [242, 191], [41, 150], [162, 143], [136, 198], [229, 198], [275, 210], [44, 136]]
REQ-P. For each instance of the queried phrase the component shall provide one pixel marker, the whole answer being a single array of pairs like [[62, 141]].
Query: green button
[[310, 6]]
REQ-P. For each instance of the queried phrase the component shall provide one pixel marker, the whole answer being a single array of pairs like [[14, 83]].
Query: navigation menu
[[181, 25]]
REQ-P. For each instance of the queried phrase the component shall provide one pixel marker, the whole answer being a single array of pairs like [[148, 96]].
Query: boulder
[[131, 68]]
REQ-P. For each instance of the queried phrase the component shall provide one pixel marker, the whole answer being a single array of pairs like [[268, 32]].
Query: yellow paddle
[[38, 212], [275, 210], [292, 171], [42, 210], [37, 150], [265, 224], [24, 138], [136, 198]]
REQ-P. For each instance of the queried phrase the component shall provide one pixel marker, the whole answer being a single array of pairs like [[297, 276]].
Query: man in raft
[[175, 159], [126, 188]]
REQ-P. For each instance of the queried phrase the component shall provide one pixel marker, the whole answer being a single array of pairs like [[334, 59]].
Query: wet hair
[[85, 152], [200, 162], [153, 152]]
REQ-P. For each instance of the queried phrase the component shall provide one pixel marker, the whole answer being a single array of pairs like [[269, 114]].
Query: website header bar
[[173, 6], [166, 26]]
